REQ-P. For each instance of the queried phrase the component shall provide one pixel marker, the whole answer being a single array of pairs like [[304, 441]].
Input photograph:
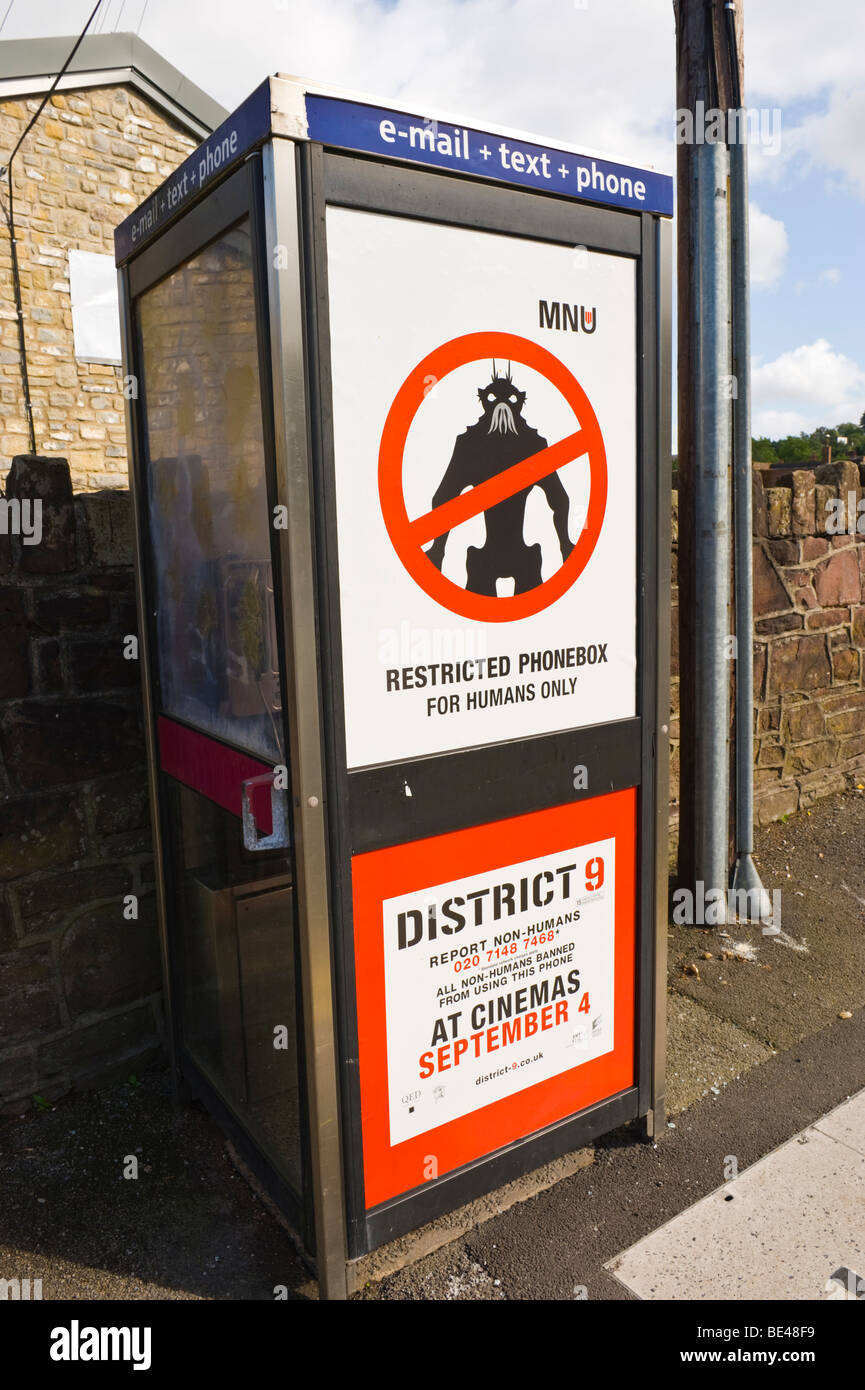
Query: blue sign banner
[[243, 129], [395, 135]]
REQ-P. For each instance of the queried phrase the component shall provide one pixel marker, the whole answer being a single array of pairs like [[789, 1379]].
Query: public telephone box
[[399, 437]]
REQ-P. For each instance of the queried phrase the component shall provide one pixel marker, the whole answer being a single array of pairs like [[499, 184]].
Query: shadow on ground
[[187, 1227], [753, 995]]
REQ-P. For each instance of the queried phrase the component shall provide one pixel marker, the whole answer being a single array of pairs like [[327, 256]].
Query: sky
[[597, 73]]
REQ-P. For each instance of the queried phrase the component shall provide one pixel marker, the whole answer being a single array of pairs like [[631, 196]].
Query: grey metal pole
[[712, 507], [745, 876]]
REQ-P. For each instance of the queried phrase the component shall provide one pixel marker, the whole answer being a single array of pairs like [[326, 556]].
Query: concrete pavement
[[783, 1229]]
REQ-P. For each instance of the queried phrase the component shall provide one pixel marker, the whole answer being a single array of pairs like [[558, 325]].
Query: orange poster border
[[458, 352], [390, 1171]]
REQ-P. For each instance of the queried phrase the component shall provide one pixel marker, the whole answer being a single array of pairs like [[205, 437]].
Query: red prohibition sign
[[409, 537]]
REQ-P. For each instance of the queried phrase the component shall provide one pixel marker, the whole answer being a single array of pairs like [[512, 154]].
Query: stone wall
[[91, 158], [79, 977], [809, 641], [79, 971], [809, 633]]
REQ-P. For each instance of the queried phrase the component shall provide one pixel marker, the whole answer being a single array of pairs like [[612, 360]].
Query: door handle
[[279, 835]]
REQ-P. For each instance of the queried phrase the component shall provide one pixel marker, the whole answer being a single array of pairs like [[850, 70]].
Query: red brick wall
[[809, 636]]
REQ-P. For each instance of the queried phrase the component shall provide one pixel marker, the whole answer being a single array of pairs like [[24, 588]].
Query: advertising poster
[[484, 398], [495, 984]]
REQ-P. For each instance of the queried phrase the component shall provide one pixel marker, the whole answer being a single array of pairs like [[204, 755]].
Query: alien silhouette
[[499, 439]]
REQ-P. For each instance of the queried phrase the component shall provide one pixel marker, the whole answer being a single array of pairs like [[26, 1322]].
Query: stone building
[[79, 964], [120, 121]]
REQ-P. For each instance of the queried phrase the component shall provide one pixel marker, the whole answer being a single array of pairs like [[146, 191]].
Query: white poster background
[[416, 977], [95, 307], [399, 289]]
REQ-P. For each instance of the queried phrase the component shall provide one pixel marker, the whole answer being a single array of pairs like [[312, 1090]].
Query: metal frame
[[130, 363], [238, 196], [368, 805], [338, 813], [663, 346], [306, 733]]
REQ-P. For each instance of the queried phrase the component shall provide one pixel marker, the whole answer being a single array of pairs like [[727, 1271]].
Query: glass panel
[[234, 923], [231, 911], [209, 515]]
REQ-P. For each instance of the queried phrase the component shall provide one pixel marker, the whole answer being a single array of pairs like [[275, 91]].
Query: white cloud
[[825, 139], [602, 75], [826, 386], [812, 372], [539, 65], [808, 66], [834, 139], [794, 52], [769, 247], [830, 276], [777, 424]]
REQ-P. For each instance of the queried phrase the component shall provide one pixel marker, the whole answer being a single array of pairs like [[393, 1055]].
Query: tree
[[795, 450], [807, 448], [763, 451], [855, 439]]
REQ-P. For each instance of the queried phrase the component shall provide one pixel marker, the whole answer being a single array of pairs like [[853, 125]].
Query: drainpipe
[[745, 876], [712, 508]]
